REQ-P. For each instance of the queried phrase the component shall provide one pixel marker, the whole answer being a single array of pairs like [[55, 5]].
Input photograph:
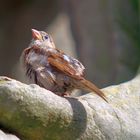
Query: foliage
[[129, 21]]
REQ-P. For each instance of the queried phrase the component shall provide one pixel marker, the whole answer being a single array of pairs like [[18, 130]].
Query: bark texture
[[33, 113]]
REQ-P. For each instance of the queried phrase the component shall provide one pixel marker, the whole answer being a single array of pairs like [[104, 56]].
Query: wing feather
[[66, 64]]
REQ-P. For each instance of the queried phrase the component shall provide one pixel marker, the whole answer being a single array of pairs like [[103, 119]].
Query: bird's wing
[[66, 64], [74, 69]]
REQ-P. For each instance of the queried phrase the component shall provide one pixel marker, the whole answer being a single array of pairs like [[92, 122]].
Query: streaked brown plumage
[[52, 69]]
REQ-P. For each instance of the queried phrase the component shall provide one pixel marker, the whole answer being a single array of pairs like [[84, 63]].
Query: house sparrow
[[52, 69]]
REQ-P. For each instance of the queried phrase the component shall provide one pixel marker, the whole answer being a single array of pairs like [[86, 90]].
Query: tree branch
[[34, 113]]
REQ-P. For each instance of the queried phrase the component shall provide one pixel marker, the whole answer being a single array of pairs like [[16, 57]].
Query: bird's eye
[[46, 37]]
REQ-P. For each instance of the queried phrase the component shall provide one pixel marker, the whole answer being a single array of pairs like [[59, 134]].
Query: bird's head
[[42, 39]]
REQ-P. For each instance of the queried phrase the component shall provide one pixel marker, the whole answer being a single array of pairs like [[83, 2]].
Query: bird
[[52, 69]]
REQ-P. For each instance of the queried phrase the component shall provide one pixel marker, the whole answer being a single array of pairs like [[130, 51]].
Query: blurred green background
[[103, 35]]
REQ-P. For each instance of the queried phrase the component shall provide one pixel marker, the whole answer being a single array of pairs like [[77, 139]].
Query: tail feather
[[91, 87]]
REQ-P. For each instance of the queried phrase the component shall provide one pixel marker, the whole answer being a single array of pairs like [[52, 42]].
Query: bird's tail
[[91, 87]]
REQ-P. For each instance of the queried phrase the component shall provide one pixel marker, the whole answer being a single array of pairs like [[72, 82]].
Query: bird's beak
[[36, 35]]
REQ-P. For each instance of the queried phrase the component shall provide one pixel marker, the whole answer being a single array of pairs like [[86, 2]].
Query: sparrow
[[52, 69]]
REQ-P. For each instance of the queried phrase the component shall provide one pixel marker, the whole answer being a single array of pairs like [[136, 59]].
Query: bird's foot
[[65, 94]]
